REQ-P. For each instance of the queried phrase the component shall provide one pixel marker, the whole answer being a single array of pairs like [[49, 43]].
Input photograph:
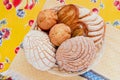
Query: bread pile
[[68, 40]]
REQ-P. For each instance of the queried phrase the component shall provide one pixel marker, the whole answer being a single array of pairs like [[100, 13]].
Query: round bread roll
[[47, 18], [59, 33]]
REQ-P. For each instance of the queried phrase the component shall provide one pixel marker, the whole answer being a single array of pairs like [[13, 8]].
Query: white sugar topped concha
[[39, 51], [94, 25]]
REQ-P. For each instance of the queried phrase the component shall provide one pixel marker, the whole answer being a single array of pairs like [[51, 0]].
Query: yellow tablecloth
[[16, 20]]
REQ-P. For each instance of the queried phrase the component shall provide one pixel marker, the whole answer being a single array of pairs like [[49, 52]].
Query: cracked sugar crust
[[76, 54]]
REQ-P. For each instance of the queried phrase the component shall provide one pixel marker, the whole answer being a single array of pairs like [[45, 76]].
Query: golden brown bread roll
[[59, 33], [69, 15], [47, 18]]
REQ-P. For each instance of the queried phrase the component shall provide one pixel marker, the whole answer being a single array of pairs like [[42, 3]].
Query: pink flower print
[[1, 65], [61, 1], [117, 4]]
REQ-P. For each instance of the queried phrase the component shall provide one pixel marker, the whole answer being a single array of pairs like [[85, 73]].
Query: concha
[[94, 25], [39, 51], [76, 54]]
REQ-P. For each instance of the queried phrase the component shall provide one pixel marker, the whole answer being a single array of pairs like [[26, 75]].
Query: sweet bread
[[78, 56], [39, 51], [93, 25], [71, 45]]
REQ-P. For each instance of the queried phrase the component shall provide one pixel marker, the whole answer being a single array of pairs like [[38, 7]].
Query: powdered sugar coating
[[76, 54], [94, 25], [39, 50]]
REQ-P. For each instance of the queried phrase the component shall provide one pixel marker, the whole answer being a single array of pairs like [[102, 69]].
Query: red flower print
[[31, 22], [17, 49], [5, 2], [8, 6], [95, 10]]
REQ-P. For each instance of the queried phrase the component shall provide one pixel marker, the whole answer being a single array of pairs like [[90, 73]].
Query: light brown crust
[[69, 15], [46, 19], [78, 32], [59, 33]]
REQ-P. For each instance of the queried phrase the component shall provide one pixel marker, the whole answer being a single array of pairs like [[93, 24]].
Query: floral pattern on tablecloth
[[17, 16]]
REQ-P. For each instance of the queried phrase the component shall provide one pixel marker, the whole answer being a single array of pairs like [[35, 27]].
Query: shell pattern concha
[[94, 25], [39, 51], [76, 54]]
